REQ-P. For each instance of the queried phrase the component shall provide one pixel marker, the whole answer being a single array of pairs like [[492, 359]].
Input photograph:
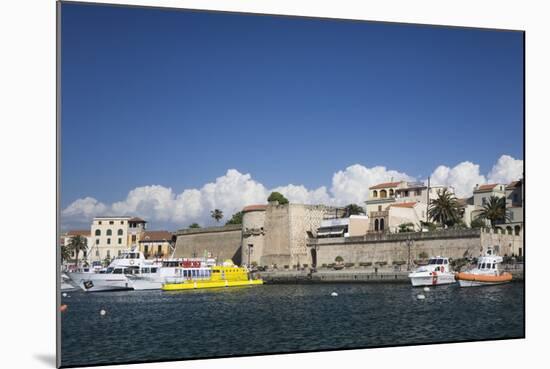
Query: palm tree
[[353, 209], [216, 214], [65, 253], [444, 209], [77, 244], [494, 210]]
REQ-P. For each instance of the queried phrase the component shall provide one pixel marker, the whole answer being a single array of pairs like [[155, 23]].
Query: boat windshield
[[437, 262]]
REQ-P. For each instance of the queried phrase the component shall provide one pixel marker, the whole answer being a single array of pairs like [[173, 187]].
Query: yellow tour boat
[[198, 277]]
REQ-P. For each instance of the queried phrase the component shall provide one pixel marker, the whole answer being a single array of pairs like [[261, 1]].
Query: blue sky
[[176, 98]]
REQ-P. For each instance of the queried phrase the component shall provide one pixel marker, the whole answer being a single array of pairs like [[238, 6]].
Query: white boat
[[436, 272], [153, 277], [111, 278], [485, 273], [66, 284]]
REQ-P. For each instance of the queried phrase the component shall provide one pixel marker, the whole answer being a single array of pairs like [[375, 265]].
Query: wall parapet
[[396, 237], [226, 228]]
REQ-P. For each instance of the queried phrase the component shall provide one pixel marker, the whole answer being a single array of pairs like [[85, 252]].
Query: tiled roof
[[137, 220], [156, 236], [79, 232], [404, 204], [255, 208], [513, 185], [486, 187], [385, 185]]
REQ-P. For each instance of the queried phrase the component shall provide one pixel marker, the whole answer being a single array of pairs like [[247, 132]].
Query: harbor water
[[155, 325]]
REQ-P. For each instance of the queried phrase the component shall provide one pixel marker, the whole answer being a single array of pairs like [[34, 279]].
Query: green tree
[[406, 227], [494, 210], [353, 209], [236, 218], [277, 196], [477, 223], [65, 253], [444, 209], [194, 225], [77, 243], [216, 214]]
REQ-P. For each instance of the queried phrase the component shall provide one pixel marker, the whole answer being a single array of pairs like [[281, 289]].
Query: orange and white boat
[[486, 272]]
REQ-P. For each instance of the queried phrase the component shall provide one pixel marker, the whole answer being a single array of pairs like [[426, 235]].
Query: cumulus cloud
[[83, 209], [234, 190], [506, 170], [462, 177], [352, 184]]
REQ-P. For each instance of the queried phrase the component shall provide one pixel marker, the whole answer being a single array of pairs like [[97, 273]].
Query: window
[[97, 232], [99, 222], [121, 222], [111, 222], [374, 193], [418, 192], [407, 193], [146, 249], [120, 232], [133, 238], [383, 194], [119, 240], [391, 193], [159, 249], [97, 242], [484, 200], [376, 224], [85, 253], [109, 232], [108, 241], [381, 224], [109, 254]]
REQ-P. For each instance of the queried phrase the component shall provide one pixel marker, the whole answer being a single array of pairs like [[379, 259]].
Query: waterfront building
[[157, 244], [391, 204], [113, 234], [333, 226], [482, 193]]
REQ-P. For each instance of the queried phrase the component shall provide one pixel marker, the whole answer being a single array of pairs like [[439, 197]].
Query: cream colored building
[[111, 235], [393, 203], [156, 244], [482, 193]]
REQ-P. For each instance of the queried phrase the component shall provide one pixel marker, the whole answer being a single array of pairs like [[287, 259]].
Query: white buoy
[[421, 297], [64, 294], [334, 294], [426, 289], [102, 312]]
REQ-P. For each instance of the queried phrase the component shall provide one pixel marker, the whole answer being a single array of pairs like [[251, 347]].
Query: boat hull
[[95, 282], [141, 284], [475, 280], [209, 284], [431, 280]]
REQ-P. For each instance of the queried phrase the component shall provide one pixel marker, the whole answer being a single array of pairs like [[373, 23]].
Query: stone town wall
[[221, 242], [253, 235], [389, 248], [303, 218], [277, 236]]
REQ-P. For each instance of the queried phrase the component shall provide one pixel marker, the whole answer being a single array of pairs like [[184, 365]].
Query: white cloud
[[506, 170], [301, 195], [234, 190], [352, 184], [83, 209], [463, 177]]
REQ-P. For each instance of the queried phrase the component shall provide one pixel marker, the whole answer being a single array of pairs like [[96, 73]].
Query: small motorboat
[[486, 272], [437, 271]]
